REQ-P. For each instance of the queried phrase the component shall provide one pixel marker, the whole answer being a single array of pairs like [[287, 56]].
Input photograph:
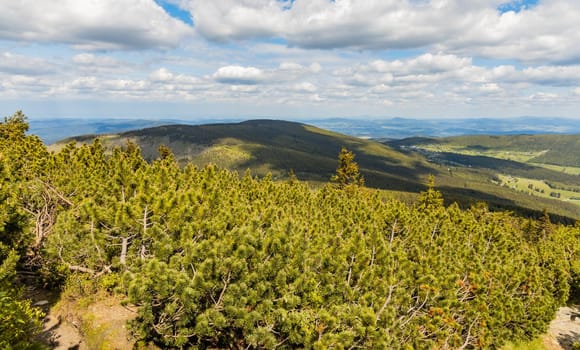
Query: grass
[[564, 169], [538, 188], [517, 156], [536, 344]]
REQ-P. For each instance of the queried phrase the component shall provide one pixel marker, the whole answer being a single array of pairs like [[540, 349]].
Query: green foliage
[[430, 199], [347, 172], [217, 260], [19, 321]]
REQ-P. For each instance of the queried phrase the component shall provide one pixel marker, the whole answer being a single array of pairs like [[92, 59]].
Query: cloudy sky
[[290, 58]]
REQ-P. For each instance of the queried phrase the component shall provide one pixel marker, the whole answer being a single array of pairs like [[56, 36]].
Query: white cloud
[[161, 75], [548, 32], [426, 68], [238, 75], [316, 98], [321, 23], [101, 65], [291, 66], [24, 65], [305, 87], [490, 88], [424, 64], [553, 75], [315, 67], [244, 88], [91, 25], [543, 97], [325, 57], [91, 59]]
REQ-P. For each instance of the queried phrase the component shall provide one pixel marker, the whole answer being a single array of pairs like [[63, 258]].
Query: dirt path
[[62, 334], [96, 323], [564, 330], [100, 324]]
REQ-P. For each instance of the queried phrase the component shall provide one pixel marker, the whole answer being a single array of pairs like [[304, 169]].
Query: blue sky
[[290, 59]]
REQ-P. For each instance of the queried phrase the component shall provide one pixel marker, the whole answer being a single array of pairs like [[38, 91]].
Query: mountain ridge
[[51, 130], [277, 147]]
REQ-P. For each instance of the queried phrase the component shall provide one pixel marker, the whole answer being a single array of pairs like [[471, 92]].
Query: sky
[[290, 59]]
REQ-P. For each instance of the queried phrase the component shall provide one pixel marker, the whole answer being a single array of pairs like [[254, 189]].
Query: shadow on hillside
[[312, 153]]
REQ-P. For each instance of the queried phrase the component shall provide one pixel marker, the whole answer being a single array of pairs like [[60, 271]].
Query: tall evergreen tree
[[347, 172]]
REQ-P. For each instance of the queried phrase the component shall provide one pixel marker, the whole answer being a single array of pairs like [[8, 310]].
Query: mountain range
[[52, 130]]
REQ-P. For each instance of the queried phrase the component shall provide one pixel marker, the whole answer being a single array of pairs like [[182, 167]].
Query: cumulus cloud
[[304, 87], [424, 64], [238, 75], [91, 25], [101, 65], [161, 75], [553, 75], [548, 32], [426, 68], [24, 65], [543, 97], [319, 23], [92, 60]]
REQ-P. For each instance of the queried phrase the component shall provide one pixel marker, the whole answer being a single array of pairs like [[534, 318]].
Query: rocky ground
[[565, 329]]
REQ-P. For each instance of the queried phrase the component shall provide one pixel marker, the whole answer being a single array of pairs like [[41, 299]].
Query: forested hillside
[[215, 259], [278, 147], [271, 146]]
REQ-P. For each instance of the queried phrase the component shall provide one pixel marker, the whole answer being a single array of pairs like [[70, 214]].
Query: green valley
[[540, 166]]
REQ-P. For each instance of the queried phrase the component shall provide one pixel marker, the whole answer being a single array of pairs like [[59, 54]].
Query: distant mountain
[[399, 128], [51, 130], [276, 147]]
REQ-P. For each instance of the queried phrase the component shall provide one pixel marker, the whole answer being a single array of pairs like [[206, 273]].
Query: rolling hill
[[268, 146], [276, 147]]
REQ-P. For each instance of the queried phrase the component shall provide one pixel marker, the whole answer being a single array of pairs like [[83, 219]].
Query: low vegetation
[[213, 259]]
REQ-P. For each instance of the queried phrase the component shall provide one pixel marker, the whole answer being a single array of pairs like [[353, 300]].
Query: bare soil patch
[[564, 330]]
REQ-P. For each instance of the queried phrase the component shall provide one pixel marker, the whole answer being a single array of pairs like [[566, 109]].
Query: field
[[538, 188]]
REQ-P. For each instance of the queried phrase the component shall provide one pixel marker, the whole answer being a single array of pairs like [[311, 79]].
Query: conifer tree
[[347, 172], [19, 322], [431, 198]]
